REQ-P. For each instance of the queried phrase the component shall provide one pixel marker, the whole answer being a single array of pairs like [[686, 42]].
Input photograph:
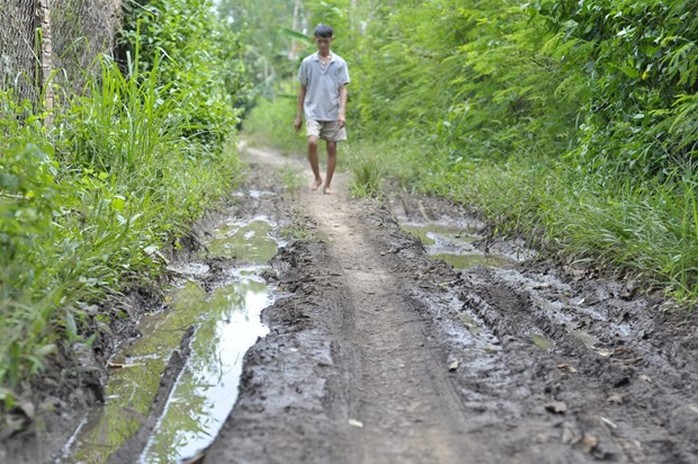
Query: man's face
[[323, 43]]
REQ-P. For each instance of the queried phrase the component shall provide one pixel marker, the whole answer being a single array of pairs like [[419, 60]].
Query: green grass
[[367, 171], [292, 180], [85, 208], [647, 231], [270, 124]]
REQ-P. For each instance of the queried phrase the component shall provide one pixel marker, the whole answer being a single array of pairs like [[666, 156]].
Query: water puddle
[[227, 322], [467, 260], [455, 244], [206, 390], [246, 241]]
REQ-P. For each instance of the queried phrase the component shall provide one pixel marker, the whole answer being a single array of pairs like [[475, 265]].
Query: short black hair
[[324, 31]]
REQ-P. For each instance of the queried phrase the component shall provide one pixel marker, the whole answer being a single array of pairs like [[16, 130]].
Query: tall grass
[[367, 171], [85, 208], [644, 230]]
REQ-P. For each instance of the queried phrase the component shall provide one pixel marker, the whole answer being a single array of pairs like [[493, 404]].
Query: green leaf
[[295, 35], [45, 350], [71, 326], [118, 203]]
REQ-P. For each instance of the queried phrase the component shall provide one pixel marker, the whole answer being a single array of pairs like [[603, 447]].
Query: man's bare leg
[[331, 164], [313, 158]]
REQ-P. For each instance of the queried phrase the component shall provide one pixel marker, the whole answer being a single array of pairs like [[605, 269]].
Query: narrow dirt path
[[391, 398], [399, 389], [378, 353]]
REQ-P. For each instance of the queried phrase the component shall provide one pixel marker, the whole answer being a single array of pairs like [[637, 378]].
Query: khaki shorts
[[325, 130]]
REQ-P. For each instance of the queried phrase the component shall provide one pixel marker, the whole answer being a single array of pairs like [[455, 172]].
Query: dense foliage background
[[574, 124], [88, 203]]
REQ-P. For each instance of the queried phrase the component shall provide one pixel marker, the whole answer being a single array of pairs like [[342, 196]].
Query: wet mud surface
[[400, 332], [382, 352]]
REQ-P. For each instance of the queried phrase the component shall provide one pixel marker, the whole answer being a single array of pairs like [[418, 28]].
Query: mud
[[383, 353], [381, 350]]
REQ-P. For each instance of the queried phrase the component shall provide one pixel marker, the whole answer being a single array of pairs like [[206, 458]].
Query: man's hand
[[342, 120], [298, 123]]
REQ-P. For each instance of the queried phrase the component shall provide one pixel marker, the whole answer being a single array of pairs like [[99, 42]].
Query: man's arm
[[299, 109], [342, 105]]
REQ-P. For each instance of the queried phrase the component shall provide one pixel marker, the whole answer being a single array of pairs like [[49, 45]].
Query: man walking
[[323, 78]]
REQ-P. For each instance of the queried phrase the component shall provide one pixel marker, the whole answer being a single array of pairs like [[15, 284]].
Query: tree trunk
[[297, 26]]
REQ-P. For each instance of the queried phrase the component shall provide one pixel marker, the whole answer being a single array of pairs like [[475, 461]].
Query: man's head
[[323, 38], [324, 31]]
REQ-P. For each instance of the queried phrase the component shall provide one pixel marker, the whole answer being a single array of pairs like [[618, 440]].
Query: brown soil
[[378, 352]]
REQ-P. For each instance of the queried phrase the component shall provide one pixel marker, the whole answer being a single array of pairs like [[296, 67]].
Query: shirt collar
[[316, 56]]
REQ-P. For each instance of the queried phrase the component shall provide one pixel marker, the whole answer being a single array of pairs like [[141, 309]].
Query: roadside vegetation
[[90, 204], [572, 124]]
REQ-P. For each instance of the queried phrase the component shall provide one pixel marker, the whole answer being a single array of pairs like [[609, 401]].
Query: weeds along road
[[380, 353]]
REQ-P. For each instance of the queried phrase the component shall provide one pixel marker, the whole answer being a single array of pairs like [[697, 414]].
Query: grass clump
[[367, 172], [292, 180]]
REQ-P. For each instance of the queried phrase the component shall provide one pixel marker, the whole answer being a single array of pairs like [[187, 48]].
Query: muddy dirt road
[[394, 331], [381, 353]]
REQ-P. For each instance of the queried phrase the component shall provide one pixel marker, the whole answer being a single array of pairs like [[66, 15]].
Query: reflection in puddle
[[207, 387], [227, 322], [432, 234], [133, 383], [454, 244], [466, 261], [249, 242]]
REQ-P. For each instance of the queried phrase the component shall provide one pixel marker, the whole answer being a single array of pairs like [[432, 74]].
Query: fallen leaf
[[453, 366], [557, 407], [356, 423], [587, 443], [567, 368], [28, 408], [646, 378], [608, 422], [621, 350]]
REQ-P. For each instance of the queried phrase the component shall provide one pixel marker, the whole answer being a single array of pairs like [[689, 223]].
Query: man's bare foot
[[327, 190], [316, 185]]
